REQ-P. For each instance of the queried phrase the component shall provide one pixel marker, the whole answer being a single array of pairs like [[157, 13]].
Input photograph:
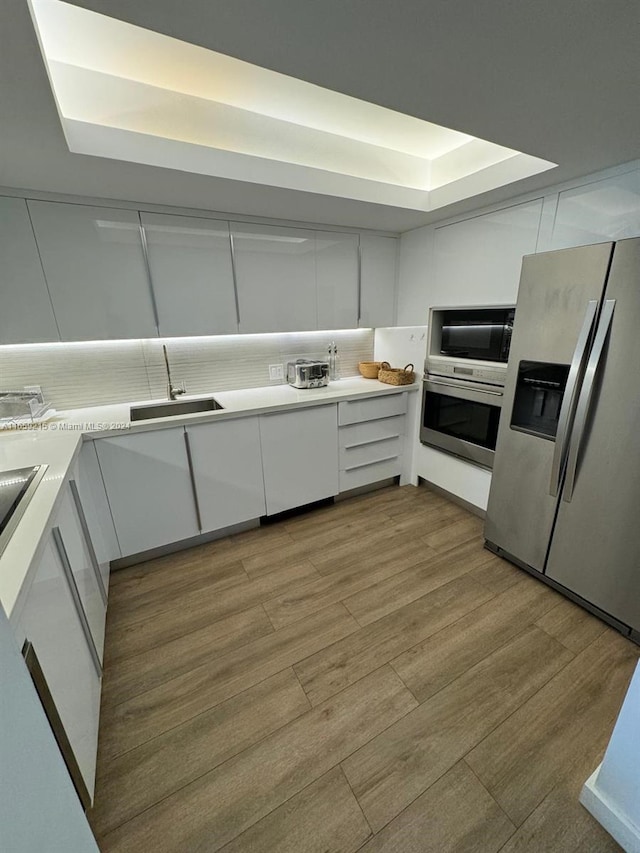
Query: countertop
[[102, 421], [22, 449], [57, 443]]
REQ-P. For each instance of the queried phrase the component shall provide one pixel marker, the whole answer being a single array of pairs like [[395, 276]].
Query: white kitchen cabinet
[[478, 260], [371, 439], [191, 274], [276, 278], [148, 484], [26, 314], [378, 275], [50, 621], [85, 574], [39, 809], [337, 280], [597, 212], [95, 507], [299, 457], [372, 408], [227, 465], [95, 270]]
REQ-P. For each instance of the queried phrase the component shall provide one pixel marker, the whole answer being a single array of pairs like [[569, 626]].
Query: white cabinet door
[[148, 484], [95, 270], [337, 280], [378, 275], [50, 621], [95, 507], [191, 273], [26, 315], [479, 259], [39, 809], [85, 573], [597, 212], [227, 465], [276, 278], [299, 457]]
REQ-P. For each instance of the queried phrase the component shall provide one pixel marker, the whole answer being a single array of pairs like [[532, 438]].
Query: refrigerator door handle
[[569, 399], [584, 401]]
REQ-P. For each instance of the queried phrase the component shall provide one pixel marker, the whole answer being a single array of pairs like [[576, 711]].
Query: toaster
[[304, 373]]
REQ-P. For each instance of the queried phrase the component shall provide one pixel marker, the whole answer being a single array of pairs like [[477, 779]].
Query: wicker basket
[[396, 375], [369, 369]]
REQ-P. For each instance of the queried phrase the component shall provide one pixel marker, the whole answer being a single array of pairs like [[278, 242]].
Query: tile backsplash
[[73, 375]]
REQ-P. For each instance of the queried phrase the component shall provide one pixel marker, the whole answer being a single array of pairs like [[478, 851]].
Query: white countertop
[[20, 450], [101, 421], [57, 442]]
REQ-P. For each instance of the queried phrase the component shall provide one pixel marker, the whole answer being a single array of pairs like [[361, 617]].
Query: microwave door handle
[[586, 395], [567, 409]]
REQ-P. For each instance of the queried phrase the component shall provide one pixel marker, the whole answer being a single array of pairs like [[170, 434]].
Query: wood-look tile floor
[[361, 677]]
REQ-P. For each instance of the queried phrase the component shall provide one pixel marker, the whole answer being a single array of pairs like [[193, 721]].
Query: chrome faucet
[[174, 391]]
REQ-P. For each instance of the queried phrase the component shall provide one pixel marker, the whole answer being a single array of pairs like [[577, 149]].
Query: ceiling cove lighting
[[130, 94]]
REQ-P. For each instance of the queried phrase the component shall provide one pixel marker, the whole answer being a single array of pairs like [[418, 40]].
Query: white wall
[[400, 346], [612, 794], [476, 259]]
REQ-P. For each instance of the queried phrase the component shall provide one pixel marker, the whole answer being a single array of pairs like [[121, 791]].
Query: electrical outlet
[[276, 372]]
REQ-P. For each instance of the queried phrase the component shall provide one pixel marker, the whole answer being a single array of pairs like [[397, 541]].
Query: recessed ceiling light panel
[[131, 94]]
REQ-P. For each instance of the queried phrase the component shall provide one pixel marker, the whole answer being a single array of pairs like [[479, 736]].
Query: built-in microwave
[[465, 372], [476, 338]]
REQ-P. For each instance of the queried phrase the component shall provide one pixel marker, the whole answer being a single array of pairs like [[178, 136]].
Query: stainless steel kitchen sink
[[170, 408]]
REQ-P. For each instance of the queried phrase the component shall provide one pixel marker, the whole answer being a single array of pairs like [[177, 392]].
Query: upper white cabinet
[[276, 278], [95, 270], [299, 457], [594, 213], [26, 314], [148, 483], [192, 274], [478, 260], [227, 466], [378, 274], [337, 280]]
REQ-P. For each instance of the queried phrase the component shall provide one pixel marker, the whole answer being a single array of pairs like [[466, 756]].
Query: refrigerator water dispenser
[[538, 398]]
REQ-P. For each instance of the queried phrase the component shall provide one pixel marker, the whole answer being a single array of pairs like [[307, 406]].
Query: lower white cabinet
[[95, 507], [148, 483], [299, 456], [75, 548], [371, 439], [371, 408], [227, 467], [50, 621], [167, 485]]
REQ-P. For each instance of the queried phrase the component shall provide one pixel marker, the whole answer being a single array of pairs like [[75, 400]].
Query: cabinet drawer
[[370, 473], [372, 451], [372, 408], [366, 432]]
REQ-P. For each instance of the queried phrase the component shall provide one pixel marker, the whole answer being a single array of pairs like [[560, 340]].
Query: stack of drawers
[[371, 437]]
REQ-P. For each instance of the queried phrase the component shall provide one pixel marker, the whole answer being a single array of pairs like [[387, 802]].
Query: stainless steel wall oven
[[461, 418], [465, 371]]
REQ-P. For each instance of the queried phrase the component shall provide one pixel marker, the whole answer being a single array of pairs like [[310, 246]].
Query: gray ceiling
[[560, 80]]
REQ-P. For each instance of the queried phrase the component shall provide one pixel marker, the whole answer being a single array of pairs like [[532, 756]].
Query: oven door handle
[[458, 387], [569, 400]]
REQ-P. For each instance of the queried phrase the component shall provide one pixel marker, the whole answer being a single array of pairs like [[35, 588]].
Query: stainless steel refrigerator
[[565, 493]]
